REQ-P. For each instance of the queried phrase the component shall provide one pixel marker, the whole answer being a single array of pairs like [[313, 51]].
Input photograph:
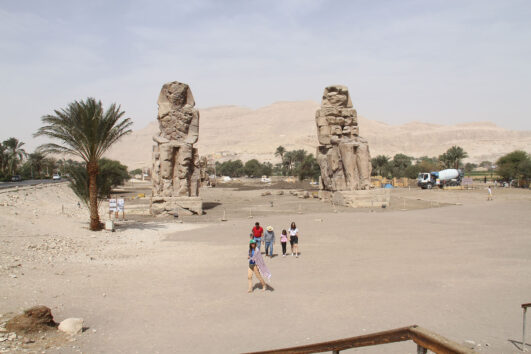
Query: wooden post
[[224, 216]]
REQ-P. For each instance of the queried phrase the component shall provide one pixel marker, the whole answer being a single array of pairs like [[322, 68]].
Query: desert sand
[[453, 263], [233, 132]]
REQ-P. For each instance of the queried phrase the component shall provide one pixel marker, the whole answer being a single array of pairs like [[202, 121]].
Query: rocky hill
[[244, 133]]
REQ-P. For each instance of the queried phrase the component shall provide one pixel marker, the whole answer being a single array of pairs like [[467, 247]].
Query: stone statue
[[342, 154], [176, 172]]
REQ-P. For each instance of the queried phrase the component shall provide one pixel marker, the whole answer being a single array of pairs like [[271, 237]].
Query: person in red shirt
[[257, 234]]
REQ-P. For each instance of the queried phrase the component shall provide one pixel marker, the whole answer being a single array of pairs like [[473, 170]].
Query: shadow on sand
[[259, 286], [139, 225], [518, 344]]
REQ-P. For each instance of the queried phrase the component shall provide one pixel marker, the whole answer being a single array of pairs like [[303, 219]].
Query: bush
[[111, 174], [516, 164]]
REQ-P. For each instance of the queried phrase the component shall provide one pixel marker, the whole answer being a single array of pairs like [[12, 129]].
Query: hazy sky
[[433, 61]]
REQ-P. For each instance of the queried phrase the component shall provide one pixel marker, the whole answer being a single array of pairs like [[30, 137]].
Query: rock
[[176, 164], [470, 343], [34, 319], [342, 154], [280, 192], [71, 326], [265, 193]]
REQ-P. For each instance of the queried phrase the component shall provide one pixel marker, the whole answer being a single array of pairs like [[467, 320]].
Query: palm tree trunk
[[92, 170]]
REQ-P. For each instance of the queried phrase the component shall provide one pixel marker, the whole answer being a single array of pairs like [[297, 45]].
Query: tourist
[[284, 241], [256, 266], [269, 239], [257, 231], [294, 239]]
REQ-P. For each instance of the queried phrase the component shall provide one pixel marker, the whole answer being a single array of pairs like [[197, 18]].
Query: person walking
[[489, 195], [257, 232], [256, 266], [294, 239], [283, 242], [269, 239]]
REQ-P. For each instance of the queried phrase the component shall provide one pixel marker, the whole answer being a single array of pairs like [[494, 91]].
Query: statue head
[[336, 95], [174, 95]]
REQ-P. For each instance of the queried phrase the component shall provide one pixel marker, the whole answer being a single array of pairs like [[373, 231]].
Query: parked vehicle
[[56, 177], [448, 177], [16, 178]]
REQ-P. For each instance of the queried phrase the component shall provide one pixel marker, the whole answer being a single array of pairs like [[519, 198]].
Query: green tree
[[288, 161], [36, 162], [399, 164], [380, 165], [87, 131], [230, 168], [309, 168], [514, 165], [137, 171], [111, 174], [453, 156], [3, 158], [280, 152], [267, 168], [14, 154], [253, 168], [486, 164], [469, 167]]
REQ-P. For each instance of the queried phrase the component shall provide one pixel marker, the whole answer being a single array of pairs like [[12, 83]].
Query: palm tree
[[3, 157], [36, 160], [453, 156], [288, 160], [15, 153], [280, 152], [85, 130]]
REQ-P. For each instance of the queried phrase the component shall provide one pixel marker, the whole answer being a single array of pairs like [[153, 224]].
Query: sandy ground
[[453, 263]]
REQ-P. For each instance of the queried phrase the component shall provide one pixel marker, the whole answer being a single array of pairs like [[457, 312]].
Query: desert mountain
[[233, 132]]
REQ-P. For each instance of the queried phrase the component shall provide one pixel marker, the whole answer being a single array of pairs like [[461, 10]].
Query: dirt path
[[461, 271]]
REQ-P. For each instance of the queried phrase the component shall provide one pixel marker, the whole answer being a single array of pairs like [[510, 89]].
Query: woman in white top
[[294, 239]]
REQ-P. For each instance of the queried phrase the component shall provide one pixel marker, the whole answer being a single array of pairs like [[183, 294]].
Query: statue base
[[176, 206], [372, 198]]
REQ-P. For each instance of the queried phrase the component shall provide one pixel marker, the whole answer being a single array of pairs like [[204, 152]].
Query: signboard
[[112, 205], [468, 181], [121, 204]]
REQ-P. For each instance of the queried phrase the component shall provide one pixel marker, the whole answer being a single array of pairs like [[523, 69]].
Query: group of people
[[258, 237], [267, 238]]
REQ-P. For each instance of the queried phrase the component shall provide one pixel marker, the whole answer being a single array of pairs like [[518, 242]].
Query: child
[[256, 267], [284, 241]]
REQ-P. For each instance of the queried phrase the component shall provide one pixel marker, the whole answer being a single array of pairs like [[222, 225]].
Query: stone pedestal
[[176, 206], [374, 198]]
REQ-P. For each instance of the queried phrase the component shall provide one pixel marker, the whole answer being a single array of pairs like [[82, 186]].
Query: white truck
[[448, 177]]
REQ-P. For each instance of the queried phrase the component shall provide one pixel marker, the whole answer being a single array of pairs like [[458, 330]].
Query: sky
[[444, 62]]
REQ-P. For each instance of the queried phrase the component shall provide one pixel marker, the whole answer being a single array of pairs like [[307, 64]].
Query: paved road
[[29, 182]]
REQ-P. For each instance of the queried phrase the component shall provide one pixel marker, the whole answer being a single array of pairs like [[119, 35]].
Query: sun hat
[[269, 228], [252, 241]]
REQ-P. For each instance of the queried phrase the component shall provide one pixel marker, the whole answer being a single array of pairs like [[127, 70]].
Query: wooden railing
[[426, 340]]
